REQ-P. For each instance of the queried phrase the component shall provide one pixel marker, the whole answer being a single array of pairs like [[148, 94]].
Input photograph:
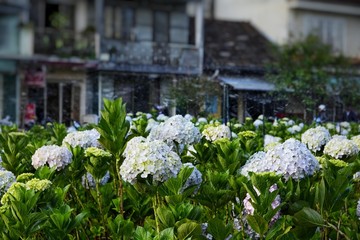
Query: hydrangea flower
[[269, 139], [38, 184], [145, 158], [358, 209], [24, 177], [195, 178], [247, 134], [215, 132], [316, 138], [151, 124], [84, 139], [88, 180], [52, 155], [202, 120], [258, 122], [176, 129], [356, 140], [289, 159], [6, 179], [294, 129], [161, 117], [341, 148]]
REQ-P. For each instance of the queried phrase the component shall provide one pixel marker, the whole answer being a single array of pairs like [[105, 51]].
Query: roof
[[248, 83], [229, 44], [338, 2]]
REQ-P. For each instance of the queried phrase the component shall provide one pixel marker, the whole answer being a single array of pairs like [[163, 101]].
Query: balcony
[[151, 57], [64, 43]]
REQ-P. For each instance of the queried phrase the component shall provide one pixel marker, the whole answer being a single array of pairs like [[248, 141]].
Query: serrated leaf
[[258, 224], [308, 217], [188, 229]]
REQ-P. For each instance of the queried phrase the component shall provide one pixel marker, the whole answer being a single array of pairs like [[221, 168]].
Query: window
[[161, 26], [330, 30], [119, 22]]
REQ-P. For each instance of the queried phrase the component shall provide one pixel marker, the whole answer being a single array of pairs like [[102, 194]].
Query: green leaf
[[167, 234], [188, 230], [258, 224], [166, 217], [218, 229], [308, 217]]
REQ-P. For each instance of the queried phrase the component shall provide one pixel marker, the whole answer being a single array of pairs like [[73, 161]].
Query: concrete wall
[[271, 17]]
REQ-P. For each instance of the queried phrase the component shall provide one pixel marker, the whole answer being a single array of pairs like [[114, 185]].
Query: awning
[[248, 83]]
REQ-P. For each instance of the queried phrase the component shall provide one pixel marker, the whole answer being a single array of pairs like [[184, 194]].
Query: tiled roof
[[340, 2], [232, 45]]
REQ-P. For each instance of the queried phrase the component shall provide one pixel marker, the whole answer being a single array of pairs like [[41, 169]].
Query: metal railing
[[152, 56], [64, 43]]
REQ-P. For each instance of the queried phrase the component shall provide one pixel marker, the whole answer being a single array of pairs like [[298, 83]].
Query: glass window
[[161, 26]]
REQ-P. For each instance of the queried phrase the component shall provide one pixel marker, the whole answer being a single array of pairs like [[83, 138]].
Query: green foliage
[[15, 155], [113, 127], [311, 73]]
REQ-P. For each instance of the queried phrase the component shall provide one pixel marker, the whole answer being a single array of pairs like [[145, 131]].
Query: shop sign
[[35, 79]]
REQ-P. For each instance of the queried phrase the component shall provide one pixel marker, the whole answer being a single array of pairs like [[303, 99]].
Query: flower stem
[[155, 206], [98, 194], [121, 187]]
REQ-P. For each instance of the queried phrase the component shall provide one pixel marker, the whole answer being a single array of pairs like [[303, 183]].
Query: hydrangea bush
[[122, 182]]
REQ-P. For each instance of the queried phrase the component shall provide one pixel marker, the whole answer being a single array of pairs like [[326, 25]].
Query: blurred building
[[336, 22], [60, 58]]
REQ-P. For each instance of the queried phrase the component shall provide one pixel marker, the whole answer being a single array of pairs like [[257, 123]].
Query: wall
[[268, 16]]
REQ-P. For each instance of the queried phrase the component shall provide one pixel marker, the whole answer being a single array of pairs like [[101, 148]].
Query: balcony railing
[[152, 57], [64, 43]]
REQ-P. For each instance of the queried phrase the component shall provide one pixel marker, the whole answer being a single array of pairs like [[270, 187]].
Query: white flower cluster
[[316, 138], [343, 128], [290, 159], [52, 155], [339, 147], [269, 139], [358, 209], [258, 122], [145, 158], [195, 178], [215, 132], [176, 129], [151, 124], [88, 180], [84, 139], [6, 179], [161, 117], [356, 140], [295, 128]]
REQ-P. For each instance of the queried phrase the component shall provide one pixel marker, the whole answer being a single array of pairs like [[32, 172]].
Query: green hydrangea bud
[[24, 177], [38, 185], [12, 191]]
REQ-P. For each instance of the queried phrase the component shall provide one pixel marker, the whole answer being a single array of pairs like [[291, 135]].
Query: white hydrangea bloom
[[176, 129], [6, 179], [212, 133], [194, 179], [52, 155], [1, 167], [258, 122], [161, 117], [84, 139], [356, 140], [151, 124], [88, 180], [341, 147], [289, 159], [316, 138], [202, 120], [144, 158], [269, 139], [358, 209], [294, 129], [188, 117], [330, 126]]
